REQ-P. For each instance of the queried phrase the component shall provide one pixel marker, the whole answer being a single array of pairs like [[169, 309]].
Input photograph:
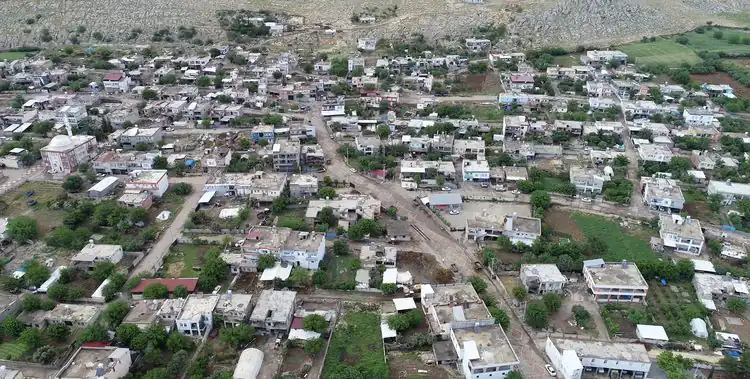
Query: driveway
[[153, 259]]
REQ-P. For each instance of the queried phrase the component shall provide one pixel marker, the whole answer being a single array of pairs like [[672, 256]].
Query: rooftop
[[286, 147], [274, 305], [198, 306], [373, 252], [633, 352], [277, 238], [149, 176], [233, 302], [92, 251], [171, 308], [303, 179], [545, 272], [74, 312], [468, 144], [706, 285], [143, 312], [190, 283], [486, 346], [86, 361], [140, 132], [366, 205], [683, 227], [455, 302], [260, 179], [473, 165], [615, 274]]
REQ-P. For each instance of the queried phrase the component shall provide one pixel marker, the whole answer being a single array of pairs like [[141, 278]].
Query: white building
[[489, 226], [684, 235], [698, 117], [274, 311], [572, 358], [614, 282], [249, 364], [90, 362], [542, 278], [116, 82], [475, 170], [233, 308], [196, 319], [72, 115], [65, 152], [484, 353], [655, 153], [651, 334], [91, 254], [155, 182], [730, 192], [286, 155], [662, 194], [302, 185], [588, 180], [135, 135], [263, 186]]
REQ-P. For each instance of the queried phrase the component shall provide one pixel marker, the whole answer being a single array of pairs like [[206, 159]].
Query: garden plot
[[357, 344]]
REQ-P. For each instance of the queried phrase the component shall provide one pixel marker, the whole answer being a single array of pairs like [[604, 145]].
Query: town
[[398, 211]]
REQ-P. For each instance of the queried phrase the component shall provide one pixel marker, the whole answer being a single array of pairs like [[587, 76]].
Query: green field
[[620, 244], [707, 42], [12, 351], [661, 51], [182, 258], [356, 344], [673, 307], [11, 55], [742, 18]]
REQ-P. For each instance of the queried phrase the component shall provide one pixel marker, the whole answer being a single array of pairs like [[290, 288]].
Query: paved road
[[153, 259]]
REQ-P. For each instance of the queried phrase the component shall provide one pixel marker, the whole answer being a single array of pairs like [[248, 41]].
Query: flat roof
[[276, 305], [143, 312], [86, 360], [487, 345], [683, 227], [545, 272], [455, 302], [651, 332], [206, 197], [633, 352], [404, 304], [198, 306], [617, 274], [147, 175], [104, 184]]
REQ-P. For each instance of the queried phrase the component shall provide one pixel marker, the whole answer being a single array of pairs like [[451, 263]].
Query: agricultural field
[[740, 19], [11, 55], [620, 240], [341, 271], [707, 41], [662, 51], [673, 306], [696, 205], [32, 199], [356, 345], [12, 350]]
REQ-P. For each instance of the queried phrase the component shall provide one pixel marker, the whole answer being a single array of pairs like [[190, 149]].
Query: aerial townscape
[[468, 189]]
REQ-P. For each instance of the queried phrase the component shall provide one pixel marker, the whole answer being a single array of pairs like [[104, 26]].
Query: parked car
[[454, 212], [352, 169], [484, 185], [550, 370], [446, 188], [586, 199], [31, 203]]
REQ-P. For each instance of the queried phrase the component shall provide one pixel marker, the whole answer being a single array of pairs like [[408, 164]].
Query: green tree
[[181, 291], [552, 302], [115, 313], [383, 131], [149, 94], [266, 261], [327, 193], [127, 332], [36, 273], [156, 291], [340, 247], [178, 363], [718, 34], [500, 316], [514, 375], [388, 288], [326, 216], [94, 333], [714, 202], [300, 277], [23, 229], [12, 327], [478, 283], [238, 335], [73, 183], [263, 142], [203, 81], [31, 337], [213, 272], [520, 293], [58, 332], [160, 163], [540, 199], [536, 315], [315, 323], [44, 355], [102, 270], [177, 342], [737, 306], [314, 346]]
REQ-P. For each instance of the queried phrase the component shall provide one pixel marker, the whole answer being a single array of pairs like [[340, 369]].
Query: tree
[[520, 293], [405, 321], [44, 355], [540, 199], [36, 273], [718, 34], [514, 375], [43, 127], [127, 332], [315, 323], [266, 261], [214, 270], [58, 332], [203, 81], [31, 337], [674, 365], [552, 302], [178, 363], [12, 327], [621, 161], [156, 334], [500, 316], [239, 335], [737, 306], [160, 163], [263, 142], [327, 193], [115, 313], [340, 247], [300, 277], [536, 315], [715, 201], [94, 333], [383, 131], [73, 183], [23, 229], [156, 373], [177, 342], [149, 94], [326, 216], [479, 284], [388, 288], [314, 346], [182, 189], [103, 270], [156, 291]]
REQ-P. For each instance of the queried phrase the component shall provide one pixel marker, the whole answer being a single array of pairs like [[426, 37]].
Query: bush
[[388, 288], [552, 302], [536, 315], [500, 316], [479, 284], [22, 229], [182, 189], [405, 321], [156, 291], [315, 323], [582, 316], [737, 306], [520, 293]]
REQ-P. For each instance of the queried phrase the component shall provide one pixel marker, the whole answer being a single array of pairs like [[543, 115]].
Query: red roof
[[522, 78], [297, 323], [114, 76], [190, 283]]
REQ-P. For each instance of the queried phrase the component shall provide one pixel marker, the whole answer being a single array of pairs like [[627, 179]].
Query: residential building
[[598, 89], [573, 127], [71, 115], [191, 284], [463, 147], [134, 136], [704, 161], [614, 282], [64, 153], [426, 169], [515, 126], [453, 306], [100, 362], [715, 290], [475, 170], [698, 117], [263, 186], [136, 199], [651, 334], [489, 226], [572, 357], [445, 201], [655, 153], [9, 305], [286, 156], [114, 163], [730, 192], [373, 255], [263, 132], [143, 313], [73, 315], [599, 58], [92, 254], [233, 308], [333, 108], [104, 187], [196, 319], [439, 143], [303, 185], [155, 182], [662, 194], [520, 82], [588, 180], [476, 45], [484, 353], [508, 174], [348, 208], [542, 278], [519, 150], [302, 249], [116, 81], [169, 312], [684, 235], [368, 145], [273, 311], [367, 44]]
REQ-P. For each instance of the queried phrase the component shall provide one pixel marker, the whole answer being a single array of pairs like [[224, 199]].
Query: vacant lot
[[11, 55], [16, 203], [660, 52], [183, 259], [696, 205], [562, 224], [357, 343], [620, 241], [409, 365]]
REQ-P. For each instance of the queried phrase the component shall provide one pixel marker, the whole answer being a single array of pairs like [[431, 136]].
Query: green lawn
[[357, 343], [706, 41], [620, 244], [11, 55], [12, 350], [661, 51], [341, 269], [182, 259]]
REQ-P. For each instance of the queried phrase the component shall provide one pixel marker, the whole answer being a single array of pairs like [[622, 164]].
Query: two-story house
[[684, 235], [588, 180]]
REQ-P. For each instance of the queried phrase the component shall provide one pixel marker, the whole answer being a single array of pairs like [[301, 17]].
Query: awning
[[206, 198]]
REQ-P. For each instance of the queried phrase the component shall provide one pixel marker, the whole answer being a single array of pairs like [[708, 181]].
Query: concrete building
[[698, 117], [64, 153], [614, 282], [114, 163], [571, 358], [71, 115], [169, 312], [655, 153], [91, 254], [662, 194], [89, 362], [730, 192], [73, 315], [484, 353], [133, 136], [515, 126], [453, 306], [446, 201], [651, 334], [486, 226], [348, 208], [143, 313], [714, 290], [286, 156], [373, 255], [475, 170], [263, 132], [684, 235], [104, 187], [542, 278], [196, 319], [262, 186], [233, 308], [273, 311], [588, 180], [136, 199], [303, 185], [427, 170], [397, 231], [464, 147], [368, 145], [155, 182], [302, 249], [598, 58]]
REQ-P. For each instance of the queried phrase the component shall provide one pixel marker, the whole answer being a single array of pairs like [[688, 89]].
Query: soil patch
[[296, 363], [423, 267], [724, 78], [409, 365], [561, 223]]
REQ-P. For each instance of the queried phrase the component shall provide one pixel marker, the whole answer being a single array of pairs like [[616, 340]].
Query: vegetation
[[405, 321], [355, 351]]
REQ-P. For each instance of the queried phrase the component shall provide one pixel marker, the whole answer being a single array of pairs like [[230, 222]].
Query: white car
[[454, 212], [550, 370], [352, 169], [586, 199], [446, 188]]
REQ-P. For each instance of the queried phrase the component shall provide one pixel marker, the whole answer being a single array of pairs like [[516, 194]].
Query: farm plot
[[621, 244], [673, 306], [661, 51], [356, 348]]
